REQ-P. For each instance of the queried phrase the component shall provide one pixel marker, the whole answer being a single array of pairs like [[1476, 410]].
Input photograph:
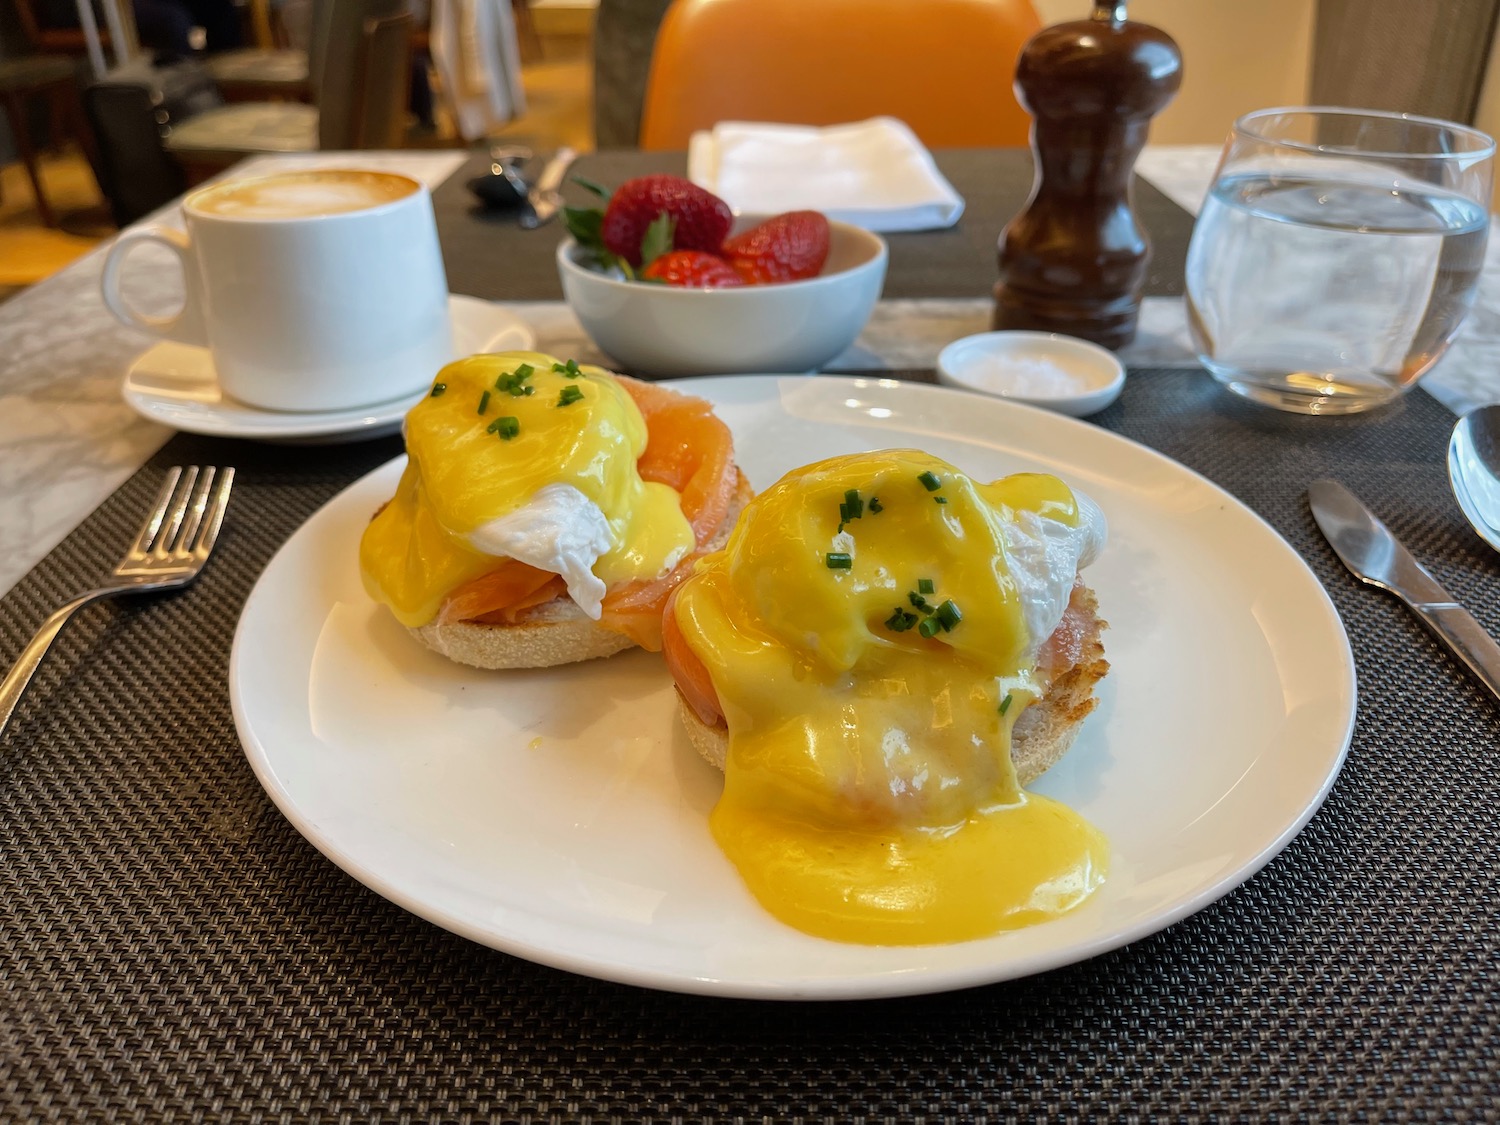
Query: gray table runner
[[174, 949], [489, 256]]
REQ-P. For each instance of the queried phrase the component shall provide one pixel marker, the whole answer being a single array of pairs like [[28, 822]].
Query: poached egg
[[518, 455]]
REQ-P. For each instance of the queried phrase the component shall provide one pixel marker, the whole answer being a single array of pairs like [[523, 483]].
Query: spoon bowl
[[1474, 470]]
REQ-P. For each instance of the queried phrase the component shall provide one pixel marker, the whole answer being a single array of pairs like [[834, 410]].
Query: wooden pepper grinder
[[1074, 259]]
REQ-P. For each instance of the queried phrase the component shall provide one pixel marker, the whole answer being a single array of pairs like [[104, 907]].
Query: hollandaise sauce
[[511, 431], [866, 636]]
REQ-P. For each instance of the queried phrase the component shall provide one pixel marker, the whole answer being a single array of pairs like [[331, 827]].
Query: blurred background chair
[[624, 35], [53, 77], [360, 70], [362, 74], [942, 66], [132, 108], [266, 68], [52, 26]]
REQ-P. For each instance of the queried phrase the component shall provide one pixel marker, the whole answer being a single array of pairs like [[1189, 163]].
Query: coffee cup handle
[[186, 326]]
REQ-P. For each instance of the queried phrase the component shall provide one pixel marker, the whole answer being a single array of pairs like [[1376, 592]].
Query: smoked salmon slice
[[689, 449], [506, 615], [505, 587]]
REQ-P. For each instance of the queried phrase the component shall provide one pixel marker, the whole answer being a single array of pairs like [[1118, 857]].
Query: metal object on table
[[503, 187], [1474, 470], [170, 551], [545, 198], [1376, 556]]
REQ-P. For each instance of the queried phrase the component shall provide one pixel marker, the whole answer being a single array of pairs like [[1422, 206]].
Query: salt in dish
[[1060, 373]]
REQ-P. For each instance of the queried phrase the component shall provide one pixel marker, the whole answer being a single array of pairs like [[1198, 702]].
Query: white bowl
[[794, 326], [1061, 373]]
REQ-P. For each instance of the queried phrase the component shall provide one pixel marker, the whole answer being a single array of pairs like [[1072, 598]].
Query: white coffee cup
[[315, 290]]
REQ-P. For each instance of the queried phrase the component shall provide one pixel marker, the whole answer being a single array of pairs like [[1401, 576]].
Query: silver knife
[[545, 196], [1374, 555]]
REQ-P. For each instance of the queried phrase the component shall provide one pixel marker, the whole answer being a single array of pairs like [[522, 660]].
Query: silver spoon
[[1474, 470]]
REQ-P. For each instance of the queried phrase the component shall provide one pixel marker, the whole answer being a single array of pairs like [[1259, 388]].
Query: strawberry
[[789, 247], [700, 219], [693, 269]]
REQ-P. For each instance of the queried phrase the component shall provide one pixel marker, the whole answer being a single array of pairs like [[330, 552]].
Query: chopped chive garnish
[[918, 601], [948, 615], [839, 560], [940, 499], [929, 627], [851, 509], [1005, 703], [509, 426], [438, 388], [484, 402], [515, 382], [900, 621], [930, 481], [924, 585], [570, 369], [875, 505], [568, 396]]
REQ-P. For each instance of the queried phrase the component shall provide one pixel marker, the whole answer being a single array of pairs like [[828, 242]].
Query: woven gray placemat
[[487, 255], [173, 949]]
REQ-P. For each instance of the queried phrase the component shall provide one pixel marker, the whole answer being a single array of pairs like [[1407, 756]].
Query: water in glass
[[1327, 294]]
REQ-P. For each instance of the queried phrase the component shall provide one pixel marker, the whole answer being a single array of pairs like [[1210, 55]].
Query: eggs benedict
[[547, 510], [882, 655]]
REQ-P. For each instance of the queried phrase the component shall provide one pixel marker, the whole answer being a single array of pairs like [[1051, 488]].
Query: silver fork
[[170, 550]]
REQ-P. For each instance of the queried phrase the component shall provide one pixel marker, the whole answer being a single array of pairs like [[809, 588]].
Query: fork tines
[[169, 552], [188, 513]]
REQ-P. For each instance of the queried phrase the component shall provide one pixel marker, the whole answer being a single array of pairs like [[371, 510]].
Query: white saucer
[[175, 384]]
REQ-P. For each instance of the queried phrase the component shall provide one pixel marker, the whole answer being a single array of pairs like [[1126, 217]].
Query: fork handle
[[19, 676]]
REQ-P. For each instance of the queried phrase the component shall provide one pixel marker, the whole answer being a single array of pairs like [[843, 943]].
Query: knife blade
[[545, 197], [1374, 555]]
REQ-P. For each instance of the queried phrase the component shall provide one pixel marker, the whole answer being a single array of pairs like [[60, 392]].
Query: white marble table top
[[67, 440]]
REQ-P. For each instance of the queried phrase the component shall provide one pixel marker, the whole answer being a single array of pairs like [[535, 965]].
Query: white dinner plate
[[176, 385], [561, 815]]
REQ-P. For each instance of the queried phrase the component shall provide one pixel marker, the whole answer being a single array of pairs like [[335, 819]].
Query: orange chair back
[[944, 67]]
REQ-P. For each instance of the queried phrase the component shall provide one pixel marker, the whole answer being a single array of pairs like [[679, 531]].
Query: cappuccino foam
[[294, 195]]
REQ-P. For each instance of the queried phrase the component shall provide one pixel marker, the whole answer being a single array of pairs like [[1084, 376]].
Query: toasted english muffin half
[[1042, 734]]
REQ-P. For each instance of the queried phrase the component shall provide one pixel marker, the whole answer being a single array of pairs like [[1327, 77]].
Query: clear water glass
[[1337, 253]]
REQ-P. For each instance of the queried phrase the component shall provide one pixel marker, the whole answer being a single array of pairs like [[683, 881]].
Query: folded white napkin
[[873, 174]]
